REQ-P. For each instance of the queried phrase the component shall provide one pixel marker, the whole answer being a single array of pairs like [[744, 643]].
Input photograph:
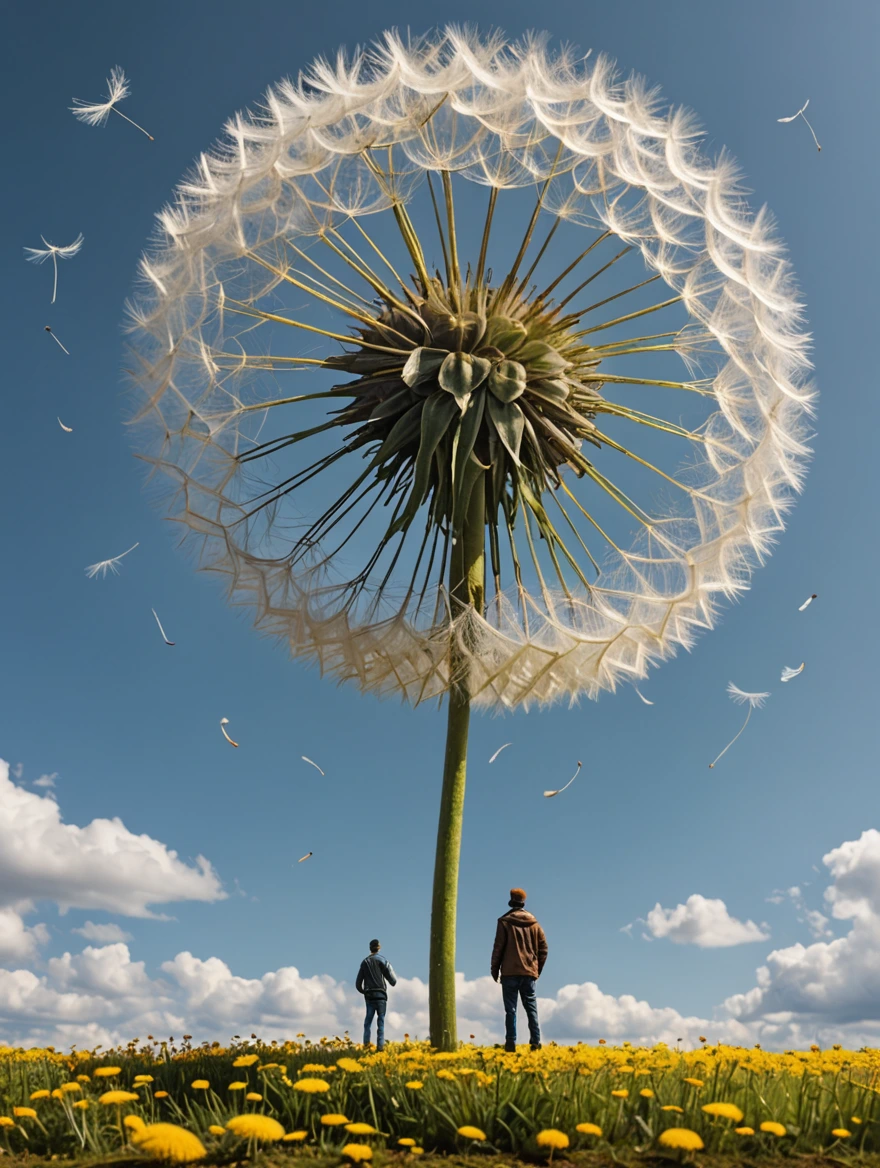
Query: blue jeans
[[513, 987], [375, 1008]]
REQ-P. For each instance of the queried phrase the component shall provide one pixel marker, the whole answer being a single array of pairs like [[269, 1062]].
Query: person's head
[[375, 946], [517, 898]]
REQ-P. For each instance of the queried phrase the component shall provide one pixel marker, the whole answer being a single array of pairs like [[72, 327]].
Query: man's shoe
[[535, 1045], [510, 1047]]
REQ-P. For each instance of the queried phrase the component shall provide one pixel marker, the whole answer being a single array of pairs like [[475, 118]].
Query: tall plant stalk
[[467, 571]]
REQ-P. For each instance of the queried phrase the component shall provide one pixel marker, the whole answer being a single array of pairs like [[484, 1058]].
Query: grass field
[[334, 1101]]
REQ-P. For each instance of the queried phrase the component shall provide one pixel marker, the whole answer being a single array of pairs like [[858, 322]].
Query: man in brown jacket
[[518, 957]]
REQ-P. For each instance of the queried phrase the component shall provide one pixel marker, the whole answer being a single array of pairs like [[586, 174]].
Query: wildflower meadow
[[211, 1103]]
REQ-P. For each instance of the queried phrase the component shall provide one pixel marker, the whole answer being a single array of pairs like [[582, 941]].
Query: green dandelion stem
[[542, 296], [484, 244], [588, 281], [454, 271], [630, 316], [467, 569]]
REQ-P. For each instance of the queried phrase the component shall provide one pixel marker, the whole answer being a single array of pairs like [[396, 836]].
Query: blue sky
[[89, 691]]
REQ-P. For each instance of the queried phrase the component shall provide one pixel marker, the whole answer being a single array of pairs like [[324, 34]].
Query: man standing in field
[[518, 957], [374, 972]]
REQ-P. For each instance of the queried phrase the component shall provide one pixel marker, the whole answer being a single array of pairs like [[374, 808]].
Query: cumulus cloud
[[702, 922], [46, 781], [103, 934], [100, 866], [18, 942]]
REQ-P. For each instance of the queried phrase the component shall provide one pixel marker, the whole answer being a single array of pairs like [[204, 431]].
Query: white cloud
[[815, 921], [100, 866], [46, 780], [103, 934], [702, 922], [17, 941]]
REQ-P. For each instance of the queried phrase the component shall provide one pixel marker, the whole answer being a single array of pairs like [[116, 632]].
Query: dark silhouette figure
[[374, 972], [518, 958]]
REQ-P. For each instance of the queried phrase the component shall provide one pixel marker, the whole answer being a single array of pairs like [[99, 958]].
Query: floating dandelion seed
[[550, 794], [112, 565], [97, 114], [224, 722], [471, 464], [808, 602], [48, 328], [161, 630], [67, 429], [305, 857], [39, 254], [309, 761], [788, 673], [741, 696], [801, 114], [642, 696], [498, 751]]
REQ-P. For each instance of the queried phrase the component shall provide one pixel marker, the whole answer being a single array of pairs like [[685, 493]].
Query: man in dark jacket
[[518, 957], [374, 972]]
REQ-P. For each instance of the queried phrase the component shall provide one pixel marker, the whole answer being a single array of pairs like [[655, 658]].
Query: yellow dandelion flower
[[693, 1082], [744, 1131], [417, 1151], [319, 1067], [216, 1130], [471, 1133], [107, 1072], [237, 1086], [681, 1138], [118, 1097], [254, 1096], [444, 1074], [41, 1094], [65, 1087], [406, 1142], [311, 1086], [775, 1129], [256, 1127], [672, 1107], [349, 1064], [414, 1085], [295, 1136], [840, 1133], [246, 1060], [160, 1095], [551, 1137], [589, 1129], [24, 1113], [854, 1119], [361, 1129], [621, 1093], [82, 1104], [200, 1085], [358, 1152], [334, 1119], [57, 1093], [646, 1093], [723, 1111], [134, 1123], [167, 1141], [83, 1078], [5, 1121], [143, 1078]]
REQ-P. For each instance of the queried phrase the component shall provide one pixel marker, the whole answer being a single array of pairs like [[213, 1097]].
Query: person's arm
[[542, 949], [359, 984], [498, 950], [389, 973]]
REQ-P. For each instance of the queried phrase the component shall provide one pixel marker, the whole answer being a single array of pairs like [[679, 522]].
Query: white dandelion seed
[[808, 602], [161, 630], [224, 722], [307, 856], [801, 114], [498, 751], [39, 255], [741, 696], [97, 113], [642, 696], [550, 794], [67, 429], [788, 673], [314, 764], [48, 328], [112, 565]]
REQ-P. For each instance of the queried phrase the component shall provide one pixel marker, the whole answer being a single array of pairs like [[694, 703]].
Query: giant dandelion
[[472, 377]]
